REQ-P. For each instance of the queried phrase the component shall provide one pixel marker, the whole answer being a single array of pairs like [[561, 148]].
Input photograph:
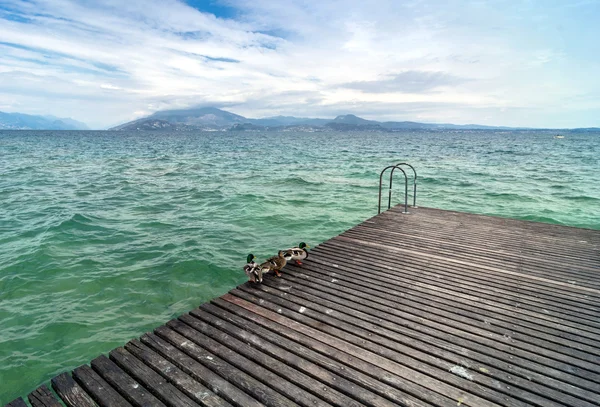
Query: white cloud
[[116, 60]]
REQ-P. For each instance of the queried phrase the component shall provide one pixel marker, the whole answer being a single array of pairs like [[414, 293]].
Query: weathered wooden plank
[[242, 380], [283, 350], [446, 298], [169, 371], [493, 236], [155, 383], [70, 392], [282, 370], [502, 376], [452, 309], [542, 267], [469, 349], [199, 372], [494, 222], [498, 346], [394, 350], [508, 238], [560, 268], [129, 388], [573, 290], [549, 354], [43, 397], [268, 378], [452, 281], [432, 272], [431, 220], [348, 378], [102, 392], [473, 267], [355, 269], [18, 402], [421, 386], [354, 369], [480, 244]]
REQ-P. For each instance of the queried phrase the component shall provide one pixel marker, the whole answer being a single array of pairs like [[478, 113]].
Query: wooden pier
[[433, 308]]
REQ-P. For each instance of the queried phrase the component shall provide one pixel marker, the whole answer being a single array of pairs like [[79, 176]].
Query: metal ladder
[[393, 168]]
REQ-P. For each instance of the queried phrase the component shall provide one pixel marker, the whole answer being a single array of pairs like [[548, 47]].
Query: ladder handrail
[[390, 191], [414, 181]]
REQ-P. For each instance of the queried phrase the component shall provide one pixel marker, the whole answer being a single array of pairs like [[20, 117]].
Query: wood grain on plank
[[70, 392], [43, 397], [18, 402]]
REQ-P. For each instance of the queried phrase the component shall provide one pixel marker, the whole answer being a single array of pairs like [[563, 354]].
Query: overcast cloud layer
[[496, 62]]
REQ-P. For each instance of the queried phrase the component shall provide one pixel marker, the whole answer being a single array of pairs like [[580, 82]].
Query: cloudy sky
[[497, 62]]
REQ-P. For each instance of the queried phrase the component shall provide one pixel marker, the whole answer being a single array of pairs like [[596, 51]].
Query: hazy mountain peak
[[21, 121], [352, 119]]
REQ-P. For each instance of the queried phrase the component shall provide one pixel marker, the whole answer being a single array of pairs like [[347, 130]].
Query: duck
[[276, 263], [298, 253], [253, 269]]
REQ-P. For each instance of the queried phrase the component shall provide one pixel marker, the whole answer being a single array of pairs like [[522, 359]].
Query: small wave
[[434, 181], [299, 181], [510, 196], [78, 222], [510, 152], [537, 218], [582, 198]]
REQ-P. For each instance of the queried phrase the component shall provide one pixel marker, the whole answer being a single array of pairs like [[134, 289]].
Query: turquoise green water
[[104, 236]]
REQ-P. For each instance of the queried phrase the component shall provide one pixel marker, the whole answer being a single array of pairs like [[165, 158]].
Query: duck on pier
[[276, 263], [253, 269], [298, 253]]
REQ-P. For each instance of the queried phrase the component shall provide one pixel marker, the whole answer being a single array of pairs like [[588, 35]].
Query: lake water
[[106, 235]]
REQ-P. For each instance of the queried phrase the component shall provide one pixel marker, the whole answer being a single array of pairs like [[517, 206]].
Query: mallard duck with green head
[[298, 253], [253, 269]]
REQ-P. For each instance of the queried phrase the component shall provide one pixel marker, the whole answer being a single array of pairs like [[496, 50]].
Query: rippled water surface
[[104, 236]]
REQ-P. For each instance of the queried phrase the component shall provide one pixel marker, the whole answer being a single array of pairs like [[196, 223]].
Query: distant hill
[[354, 120], [20, 121], [211, 118], [154, 124], [205, 116], [288, 121]]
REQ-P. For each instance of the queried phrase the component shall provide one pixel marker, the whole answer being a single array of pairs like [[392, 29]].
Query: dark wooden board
[[94, 385], [133, 391], [257, 352], [421, 362], [353, 369], [18, 402], [70, 392], [444, 302], [192, 388], [241, 379], [404, 295], [420, 386], [154, 382], [293, 356], [488, 372], [345, 373], [198, 371], [512, 293], [43, 397]]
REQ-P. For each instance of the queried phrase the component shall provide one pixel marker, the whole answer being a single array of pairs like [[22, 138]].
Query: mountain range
[[20, 121], [211, 118]]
